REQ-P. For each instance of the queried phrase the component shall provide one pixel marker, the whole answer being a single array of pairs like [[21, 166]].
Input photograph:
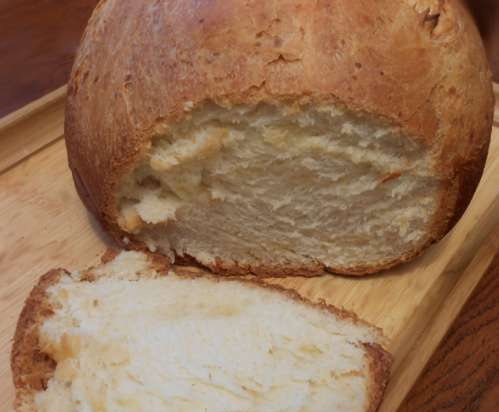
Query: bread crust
[[380, 362], [418, 64], [32, 368]]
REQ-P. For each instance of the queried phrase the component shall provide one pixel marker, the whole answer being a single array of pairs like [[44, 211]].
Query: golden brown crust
[[380, 362], [465, 107], [417, 63], [32, 368]]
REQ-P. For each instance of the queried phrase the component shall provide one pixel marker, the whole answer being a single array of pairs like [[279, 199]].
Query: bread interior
[[132, 340], [282, 186]]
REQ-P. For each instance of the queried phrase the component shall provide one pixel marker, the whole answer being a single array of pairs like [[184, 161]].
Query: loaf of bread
[[279, 137], [127, 336]]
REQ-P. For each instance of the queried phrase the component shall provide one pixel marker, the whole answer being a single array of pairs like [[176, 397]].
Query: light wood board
[[44, 225]]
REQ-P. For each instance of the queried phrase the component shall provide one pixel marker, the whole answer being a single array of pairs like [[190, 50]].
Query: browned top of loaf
[[32, 368], [418, 63]]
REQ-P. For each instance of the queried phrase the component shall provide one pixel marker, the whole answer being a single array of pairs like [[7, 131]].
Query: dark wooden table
[[38, 39]]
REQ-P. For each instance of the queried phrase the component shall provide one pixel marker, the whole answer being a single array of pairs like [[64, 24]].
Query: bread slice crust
[[32, 368]]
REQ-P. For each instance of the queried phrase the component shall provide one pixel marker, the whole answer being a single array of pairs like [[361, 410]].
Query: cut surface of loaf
[[281, 137], [125, 336], [296, 189]]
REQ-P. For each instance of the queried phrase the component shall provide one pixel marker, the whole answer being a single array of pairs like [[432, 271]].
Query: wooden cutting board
[[44, 225]]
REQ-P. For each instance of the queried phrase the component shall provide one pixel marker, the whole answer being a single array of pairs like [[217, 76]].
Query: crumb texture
[[282, 186], [170, 343]]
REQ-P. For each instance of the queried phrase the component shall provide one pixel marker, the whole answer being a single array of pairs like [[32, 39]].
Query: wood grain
[[486, 13], [463, 375], [31, 128], [38, 40]]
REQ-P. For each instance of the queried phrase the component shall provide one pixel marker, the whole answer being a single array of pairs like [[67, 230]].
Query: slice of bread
[[134, 335]]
